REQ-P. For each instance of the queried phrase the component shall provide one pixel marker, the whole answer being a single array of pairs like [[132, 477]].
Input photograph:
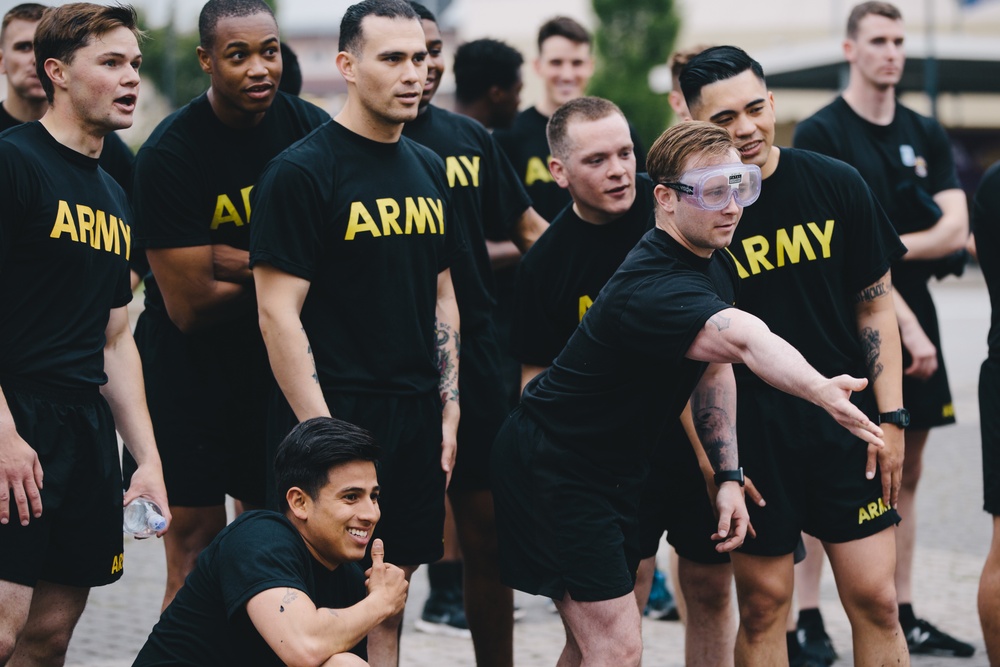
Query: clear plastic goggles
[[711, 188]]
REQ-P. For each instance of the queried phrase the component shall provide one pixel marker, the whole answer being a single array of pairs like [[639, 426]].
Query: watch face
[[899, 417]]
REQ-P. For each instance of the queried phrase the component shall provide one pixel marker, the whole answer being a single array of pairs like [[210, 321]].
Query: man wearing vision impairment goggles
[[813, 254], [569, 464], [711, 188]]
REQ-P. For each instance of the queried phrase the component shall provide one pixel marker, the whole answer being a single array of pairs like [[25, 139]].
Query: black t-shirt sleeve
[[246, 569], [287, 213], [986, 227], [534, 338], [14, 198], [166, 209], [664, 315], [868, 260], [943, 175]]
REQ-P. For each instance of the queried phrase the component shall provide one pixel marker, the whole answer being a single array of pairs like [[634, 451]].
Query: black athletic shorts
[[989, 424], [929, 401], [408, 431], [563, 523], [78, 539], [484, 406], [810, 470], [675, 499], [208, 405]]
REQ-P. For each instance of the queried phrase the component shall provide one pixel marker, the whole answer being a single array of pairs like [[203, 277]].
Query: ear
[[849, 50], [56, 71], [494, 94], [666, 198], [204, 60], [3, 68], [299, 503], [558, 171], [538, 65], [346, 65]]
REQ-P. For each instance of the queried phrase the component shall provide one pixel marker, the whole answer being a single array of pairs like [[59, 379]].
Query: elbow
[[184, 319], [309, 653]]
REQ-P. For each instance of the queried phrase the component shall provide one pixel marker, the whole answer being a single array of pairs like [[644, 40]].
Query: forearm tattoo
[[309, 351], [873, 292], [716, 430], [871, 347], [447, 360]]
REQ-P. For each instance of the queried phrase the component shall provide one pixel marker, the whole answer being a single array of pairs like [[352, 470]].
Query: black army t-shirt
[[559, 278], [65, 241], [368, 224], [486, 194], [986, 226], [207, 623], [528, 150], [813, 240], [623, 374], [194, 175]]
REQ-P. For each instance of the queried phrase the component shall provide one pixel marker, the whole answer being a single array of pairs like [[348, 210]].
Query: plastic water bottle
[[143, 519]]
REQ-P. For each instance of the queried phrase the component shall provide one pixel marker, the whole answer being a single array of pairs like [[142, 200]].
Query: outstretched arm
[[735, 336], [879, 336]]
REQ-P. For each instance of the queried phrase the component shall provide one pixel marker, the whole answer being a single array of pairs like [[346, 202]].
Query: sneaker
[[661, 605], [816, 644], [925, 638], [443, 615]]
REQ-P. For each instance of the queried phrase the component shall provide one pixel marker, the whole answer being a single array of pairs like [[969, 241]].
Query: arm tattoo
[[447, 361], [721, 323], [872, 292], [290, 596], [333, 612], [715, 428], [871, 347], [309, 351]]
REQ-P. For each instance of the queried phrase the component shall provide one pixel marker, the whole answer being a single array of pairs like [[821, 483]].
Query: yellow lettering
[[873, 509], [127, 235], [246, 200], [791, 247], [455, 171], [948, 410], [823, 236], [537, 171], [355, 227], [438, 207], [743, 273], [118, 563], [225, 212], [585, 303], [388, 210], [64, 222], [85, 219], [863, 516], [473, 167], [106, 235], [417, 214], [756, 248]]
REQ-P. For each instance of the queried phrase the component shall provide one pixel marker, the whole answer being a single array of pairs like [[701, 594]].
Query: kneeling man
[[284, 589]]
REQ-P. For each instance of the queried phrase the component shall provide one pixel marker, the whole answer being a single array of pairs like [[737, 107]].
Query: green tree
[[632, 38]]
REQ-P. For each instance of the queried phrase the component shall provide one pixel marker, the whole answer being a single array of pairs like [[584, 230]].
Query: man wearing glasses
[[813, 255], [570, 461]]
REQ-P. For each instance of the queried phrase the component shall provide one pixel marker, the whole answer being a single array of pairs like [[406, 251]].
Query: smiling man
[[69, 372], [570, 461], [285, 589], [351, 247], [206, 369]]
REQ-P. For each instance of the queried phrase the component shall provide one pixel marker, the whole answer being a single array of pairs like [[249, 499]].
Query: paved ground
[[952, 543]]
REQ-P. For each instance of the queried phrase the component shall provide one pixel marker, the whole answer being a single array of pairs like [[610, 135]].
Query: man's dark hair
[[351, 39], [482, 64], [582, 108], [715, 64], [216, 10], [291, 72], [888, 10], [68, 28], [422, 12], [563, 26], [315, 446], [27, 11]]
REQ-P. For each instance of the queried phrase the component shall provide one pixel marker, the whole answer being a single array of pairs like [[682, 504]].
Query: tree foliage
[[633, 37], [171, 63]]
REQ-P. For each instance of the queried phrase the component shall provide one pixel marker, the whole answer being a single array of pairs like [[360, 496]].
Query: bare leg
[[678, 588], [906, 531], [863, 570], [55, 610], [764, 590], [570, 656], [989, 597], [489, 605], [191, 530], [15, 603], [710, 633], [608, 632], [808, 574], [644, 582], [383, 640]]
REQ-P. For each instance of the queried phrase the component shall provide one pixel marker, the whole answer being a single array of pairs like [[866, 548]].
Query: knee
[[8, 640], [761, 607], [626, 650], [711, 594], [44, 645], [878, 607]]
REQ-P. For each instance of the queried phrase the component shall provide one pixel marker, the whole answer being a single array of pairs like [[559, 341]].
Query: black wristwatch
[[900, 418], [729, 476]]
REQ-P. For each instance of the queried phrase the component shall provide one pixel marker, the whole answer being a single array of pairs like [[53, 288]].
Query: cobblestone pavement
[[952, 542]]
